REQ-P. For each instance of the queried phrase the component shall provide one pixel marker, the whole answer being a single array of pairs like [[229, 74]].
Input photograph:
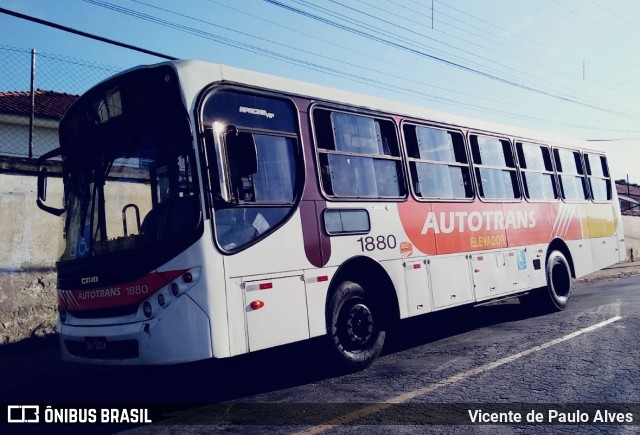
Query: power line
[[493, 25], [361, 79], [333, 45], [621, 18], [85, 34], [413, 43], [466, 41], [584, 17], [378, 31], [445, 61], [308, 64], [289, 59], [430, 96]]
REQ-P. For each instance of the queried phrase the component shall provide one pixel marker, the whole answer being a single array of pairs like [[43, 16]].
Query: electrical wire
[[448, 62], [289, 59]]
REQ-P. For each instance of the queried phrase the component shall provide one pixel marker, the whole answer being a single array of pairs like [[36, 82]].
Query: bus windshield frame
[[130, 175]]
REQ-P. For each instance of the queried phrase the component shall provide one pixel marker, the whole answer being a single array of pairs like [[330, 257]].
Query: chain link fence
[[36, 89]]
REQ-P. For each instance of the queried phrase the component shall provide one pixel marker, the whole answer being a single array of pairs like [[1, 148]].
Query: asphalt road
[[495, 358]]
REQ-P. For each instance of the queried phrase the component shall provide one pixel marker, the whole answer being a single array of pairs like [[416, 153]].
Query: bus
[[209, 211]]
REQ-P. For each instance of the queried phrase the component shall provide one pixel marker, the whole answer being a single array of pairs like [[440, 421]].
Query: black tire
[[558, 281], [555, 296], [354, 329]]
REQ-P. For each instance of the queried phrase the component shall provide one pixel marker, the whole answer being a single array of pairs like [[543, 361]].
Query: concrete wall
[[631, 226], [29, 240]]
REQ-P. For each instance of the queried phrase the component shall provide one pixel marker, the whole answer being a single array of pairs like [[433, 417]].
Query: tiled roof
[[628, 190], [48, 104]]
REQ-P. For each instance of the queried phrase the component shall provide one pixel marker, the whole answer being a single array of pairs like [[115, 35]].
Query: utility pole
[[33, 101]]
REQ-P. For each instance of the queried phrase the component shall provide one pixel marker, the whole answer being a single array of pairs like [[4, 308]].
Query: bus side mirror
[[241, 151], [42, 184], [43, 177], [236, 157]]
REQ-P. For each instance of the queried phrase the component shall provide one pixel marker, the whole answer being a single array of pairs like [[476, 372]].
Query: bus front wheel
[[354, 328]]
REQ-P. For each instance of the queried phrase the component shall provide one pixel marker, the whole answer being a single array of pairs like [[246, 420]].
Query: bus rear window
[[598, 176], [573, 185]]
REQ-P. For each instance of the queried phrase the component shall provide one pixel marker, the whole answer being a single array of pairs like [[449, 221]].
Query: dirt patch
[[27, 305]]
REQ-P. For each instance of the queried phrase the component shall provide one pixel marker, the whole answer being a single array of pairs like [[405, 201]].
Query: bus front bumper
[[181, 333]]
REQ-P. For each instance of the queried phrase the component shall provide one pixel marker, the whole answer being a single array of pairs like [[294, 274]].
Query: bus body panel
[[499, 272], [418, 286], [622, 250], [450, 280], [318, 282], [266, 256], [276, 310]]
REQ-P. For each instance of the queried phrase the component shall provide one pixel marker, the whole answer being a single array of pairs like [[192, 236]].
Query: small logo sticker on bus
[[406, 249], [259, 112]]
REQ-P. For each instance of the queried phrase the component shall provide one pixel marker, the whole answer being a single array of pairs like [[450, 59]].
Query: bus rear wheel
[[354, 328], [555, 296], [558, 281]]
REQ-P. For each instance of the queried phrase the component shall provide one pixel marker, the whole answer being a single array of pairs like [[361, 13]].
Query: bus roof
[[195, 75]]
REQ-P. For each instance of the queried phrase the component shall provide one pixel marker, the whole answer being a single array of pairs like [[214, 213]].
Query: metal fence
[[35, 91]]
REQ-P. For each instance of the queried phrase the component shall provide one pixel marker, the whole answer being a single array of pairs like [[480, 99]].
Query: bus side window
[[573, 185], [359, 155], [494, 167], [538, 178], [275, 178], [438, 163], [598, 176]]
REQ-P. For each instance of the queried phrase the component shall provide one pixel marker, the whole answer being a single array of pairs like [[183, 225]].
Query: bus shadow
[[187, 386], [422, 330]]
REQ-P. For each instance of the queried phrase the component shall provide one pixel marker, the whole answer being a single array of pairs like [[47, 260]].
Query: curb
[[607, 276]]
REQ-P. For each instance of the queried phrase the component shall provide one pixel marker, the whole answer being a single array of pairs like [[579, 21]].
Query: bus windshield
[[130, 171], [146, 193]]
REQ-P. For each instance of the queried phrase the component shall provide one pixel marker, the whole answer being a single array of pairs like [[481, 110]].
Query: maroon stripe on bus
[[317, 245]]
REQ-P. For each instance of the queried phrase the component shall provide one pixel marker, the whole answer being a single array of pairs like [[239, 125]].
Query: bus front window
[[130, 196], [263, 198], [130, 176]]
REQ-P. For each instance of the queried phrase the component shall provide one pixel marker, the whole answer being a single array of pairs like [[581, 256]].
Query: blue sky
[[568, 66]]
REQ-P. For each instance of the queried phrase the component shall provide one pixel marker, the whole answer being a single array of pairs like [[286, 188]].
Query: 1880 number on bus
[[370, 243]]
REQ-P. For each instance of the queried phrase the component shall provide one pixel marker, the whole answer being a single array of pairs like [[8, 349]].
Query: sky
[[565, 66]]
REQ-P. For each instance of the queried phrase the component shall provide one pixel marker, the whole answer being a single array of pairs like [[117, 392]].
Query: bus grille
[[126, 310]]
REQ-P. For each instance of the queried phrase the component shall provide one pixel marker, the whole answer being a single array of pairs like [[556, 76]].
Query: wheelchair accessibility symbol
[[522, 259], [83, 249]]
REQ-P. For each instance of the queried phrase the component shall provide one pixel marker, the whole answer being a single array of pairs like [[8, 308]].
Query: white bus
[[211, 211]]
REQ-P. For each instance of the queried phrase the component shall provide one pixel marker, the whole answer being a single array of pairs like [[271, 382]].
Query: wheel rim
[[355, 327]]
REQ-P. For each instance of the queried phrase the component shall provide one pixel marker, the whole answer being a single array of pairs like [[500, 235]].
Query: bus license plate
[[95, 343]]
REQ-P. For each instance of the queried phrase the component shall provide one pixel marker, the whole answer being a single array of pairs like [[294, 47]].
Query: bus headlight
[[146, 309], [175, 289], [161, 300], [62, 313]]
